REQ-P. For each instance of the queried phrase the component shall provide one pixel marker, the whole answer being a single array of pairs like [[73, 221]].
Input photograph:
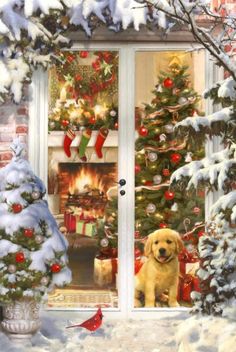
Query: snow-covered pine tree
[[32, 250], [216, 172]]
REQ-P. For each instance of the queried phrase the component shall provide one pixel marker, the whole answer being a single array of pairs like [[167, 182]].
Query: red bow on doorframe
[[92, 324]]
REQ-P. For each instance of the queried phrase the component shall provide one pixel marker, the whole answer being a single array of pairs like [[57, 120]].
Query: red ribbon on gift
[[186, 257]]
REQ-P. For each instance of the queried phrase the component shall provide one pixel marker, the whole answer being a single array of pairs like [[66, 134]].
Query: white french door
[[38, 156]]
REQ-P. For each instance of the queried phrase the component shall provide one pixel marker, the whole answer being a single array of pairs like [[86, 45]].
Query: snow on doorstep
[[181, 333]]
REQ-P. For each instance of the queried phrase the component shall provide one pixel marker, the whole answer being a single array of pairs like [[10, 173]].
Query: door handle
[[122, 182]]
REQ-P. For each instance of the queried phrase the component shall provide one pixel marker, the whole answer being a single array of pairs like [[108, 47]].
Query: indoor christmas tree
[[216, 172], [159, 152], [32, 250]]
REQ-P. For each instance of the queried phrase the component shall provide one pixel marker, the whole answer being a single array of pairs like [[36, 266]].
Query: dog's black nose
[[162, 251]]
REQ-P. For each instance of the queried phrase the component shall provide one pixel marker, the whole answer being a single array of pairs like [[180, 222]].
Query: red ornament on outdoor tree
[[65, 123], [166, 172], [28, 233], [143, 131], [55, 268], [169, 195], [20, 257], [196, 210], [168, 83], [83, 54], [16, 208], [163, 225], [137, 168], [175, 158]]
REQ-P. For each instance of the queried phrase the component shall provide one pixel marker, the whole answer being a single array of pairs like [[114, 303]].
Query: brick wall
[[13, 122]]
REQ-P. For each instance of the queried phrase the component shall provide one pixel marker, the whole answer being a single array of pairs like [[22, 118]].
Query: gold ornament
[[139, 157], [152, 167], [140, 197], [164, 100], [159, 216], [87, 114], [157, 130], [175, 61], [143, 181]]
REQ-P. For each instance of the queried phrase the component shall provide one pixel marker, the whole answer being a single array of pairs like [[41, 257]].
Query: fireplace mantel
[[56, 138]]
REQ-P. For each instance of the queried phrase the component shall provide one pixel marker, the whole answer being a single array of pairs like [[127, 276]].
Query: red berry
[[169, 195], [20, 257], [65, 123], [96, 65], [78, 78], [162, 225], [55, 268], [107, 56], [166, 172], [83, 54], [143, 131], [28, 232], [175, 158], [137, 168], [70, 58], [168, 83], [16, 208]]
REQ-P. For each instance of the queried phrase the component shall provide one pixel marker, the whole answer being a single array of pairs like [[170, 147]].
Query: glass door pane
[[168, 223], [82, 173]]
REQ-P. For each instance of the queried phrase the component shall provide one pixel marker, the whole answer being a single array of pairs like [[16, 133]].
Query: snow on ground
[[182, 333]]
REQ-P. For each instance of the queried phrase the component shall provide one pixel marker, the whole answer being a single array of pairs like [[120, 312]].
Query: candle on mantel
[[63, 94]]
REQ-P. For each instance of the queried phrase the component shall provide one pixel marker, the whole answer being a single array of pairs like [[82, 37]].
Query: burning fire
[[83, 179]]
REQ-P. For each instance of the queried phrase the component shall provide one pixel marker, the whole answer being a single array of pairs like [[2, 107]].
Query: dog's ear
[[148, 246], [179, 244]]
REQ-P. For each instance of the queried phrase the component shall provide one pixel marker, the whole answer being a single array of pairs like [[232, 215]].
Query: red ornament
[[227, 48], [148, 183], [143, 131], [166, 172], [137, 252], [137, 266], [116, 125], [201, 233], [55, 268], [20, 257], [16, 208], [70, 58], [168, 83], [78, 77], [137, 168], [28, 233], [196, 210], [96, 65], [83, 54], [169, 195], [163, 225], [136, 234], [92, 120], [65, 123], [114, 252], [107, 56], [175, 158]]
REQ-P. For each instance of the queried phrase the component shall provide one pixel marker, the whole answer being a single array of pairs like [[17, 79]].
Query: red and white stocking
[[101, 137], [70, 135]]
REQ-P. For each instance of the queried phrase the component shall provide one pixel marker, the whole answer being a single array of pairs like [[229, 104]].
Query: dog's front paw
[[137, 303], [173, 304]]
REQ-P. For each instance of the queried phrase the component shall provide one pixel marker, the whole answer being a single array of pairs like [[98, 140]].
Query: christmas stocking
[[86, 135], [102, 135], [70, 135]]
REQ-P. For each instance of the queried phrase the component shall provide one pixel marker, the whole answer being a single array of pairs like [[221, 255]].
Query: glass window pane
[[82, 173]]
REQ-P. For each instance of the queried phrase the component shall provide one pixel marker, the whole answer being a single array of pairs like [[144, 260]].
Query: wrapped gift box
[[70, 221], [105, 270], [86, 227]]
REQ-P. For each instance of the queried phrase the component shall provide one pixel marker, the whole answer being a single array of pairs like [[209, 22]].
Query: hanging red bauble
[[163, 225], [28, 233], [116, 125], [136, 234], [196, 210], [16, 208], [137, 252], [96, 65], [168, 83], [175, 158], [83, 54], [201, 233], [65, 123], [143, 131], [137, 168], [92, 120], [148, 183], [166, 172], [70, 58], [169, 195], [78, 77], [55, 268], [20, 257]]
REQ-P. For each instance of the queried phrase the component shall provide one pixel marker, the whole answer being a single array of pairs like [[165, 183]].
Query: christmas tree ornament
[[159, 216], [16, 208], [78, 77], [148, 183], [175, 158], [104, 242], [159, 88], [151, 208], [162, 137], [157, 179], [152, 156], [174, 207], [86, 135], [39, 239], [44, 281], [83, 54], [69, 137], [11, 269], [168, 82], [101, 137], [182, 100], [153, 167], [137, 168], [163, 225], [166, 172], [35, 194], [140, 197], [143, 131], [29, 233], [169, 195], [137, 252], [113, 113], [157, 131], [19, 257], [139, 157], [116, 125], [188, 157], [169, 128], [65, 123], [176, 91], [92, 120], [52, 125], [55, 268], [196, 210], [70, 58]]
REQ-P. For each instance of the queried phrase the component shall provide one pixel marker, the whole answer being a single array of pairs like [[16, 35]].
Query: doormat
[[68, 298]]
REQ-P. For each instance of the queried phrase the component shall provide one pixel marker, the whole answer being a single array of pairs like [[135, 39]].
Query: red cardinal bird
[[91, 324]]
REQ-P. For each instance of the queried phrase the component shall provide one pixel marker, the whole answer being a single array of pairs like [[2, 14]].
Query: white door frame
[[38, 157]]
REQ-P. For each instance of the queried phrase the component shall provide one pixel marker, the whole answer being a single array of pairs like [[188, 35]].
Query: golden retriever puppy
[[161, 270]]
